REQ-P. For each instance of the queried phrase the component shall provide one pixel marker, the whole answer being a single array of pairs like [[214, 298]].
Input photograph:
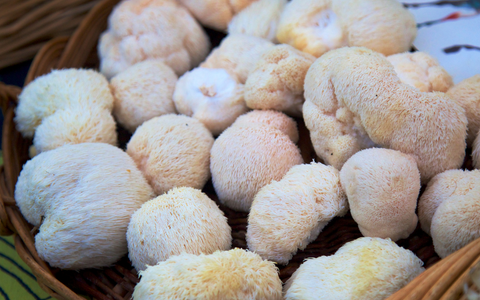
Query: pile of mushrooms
[[382, 121]]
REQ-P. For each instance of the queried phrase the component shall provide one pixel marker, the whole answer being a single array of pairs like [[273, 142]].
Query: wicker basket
[[25, 26], [443, 279]]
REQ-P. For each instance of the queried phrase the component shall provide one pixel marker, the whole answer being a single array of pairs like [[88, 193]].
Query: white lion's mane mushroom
[[81, 197], [235, 274], [172, 151], [277, 80], [318, 26], [289, 214], [215, 14], [142, 92], [354, 99], [442, 187], [238, 54], [249, 155], [366, 268], [259, 19], [145, 29], [182, 220], [80, 98], [467, 95], [382, 187], [211, 96], [422, 71]]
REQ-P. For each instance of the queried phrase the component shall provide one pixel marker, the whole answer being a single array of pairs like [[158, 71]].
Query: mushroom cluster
[[215, 135]]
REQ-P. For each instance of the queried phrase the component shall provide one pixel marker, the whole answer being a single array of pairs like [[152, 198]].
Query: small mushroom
[[237, 54], [382, 187], [277, 80], [81, 197], [448, 210], [259, 19], [467, 95], [318, 26], [234, 274], [146, 29], [287, 215], [366, 268], [211, 96], [142, 92], [184, 220], [245, 158], [422, 71], [172, 151]]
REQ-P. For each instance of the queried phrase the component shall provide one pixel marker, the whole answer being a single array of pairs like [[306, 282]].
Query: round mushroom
[[366, 268], [211, 96], [142, 92], [277, 80], [244, 158], [318, 26], [422, 71], [81, 197], [287, 215], [382, 188], [172, 151], [184, 220], [234, 274], [145, 29]]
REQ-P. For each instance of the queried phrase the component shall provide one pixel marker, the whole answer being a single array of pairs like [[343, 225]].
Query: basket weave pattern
[[442, 280]]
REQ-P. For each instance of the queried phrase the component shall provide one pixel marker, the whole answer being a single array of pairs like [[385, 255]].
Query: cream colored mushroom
[[259, 19], [81, 197], [245, 158], [172, 151], [68, 106], [366, 268], [145, 29], [236, 274], [238, 54], [467, 95], [318, 26], [289, 214], [354, 100], [142, 92], [211, 96], [277, 80], [382, 188], [422, 71], [184, 220], [441, 188]]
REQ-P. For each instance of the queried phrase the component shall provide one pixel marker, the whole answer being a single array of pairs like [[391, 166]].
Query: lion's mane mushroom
[[366, 268], [172, 151], [66, 107], [422, 71], [277, 80], [211, 96], [81, 196], [354, 99], [259, 19], [235, 274], [182, 220], [287, 215], [382, 187], [317, 26], [215, 14], [449, 210], [467, 95], [249, 155], [142, 92], [143, 29], [238, 54]]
